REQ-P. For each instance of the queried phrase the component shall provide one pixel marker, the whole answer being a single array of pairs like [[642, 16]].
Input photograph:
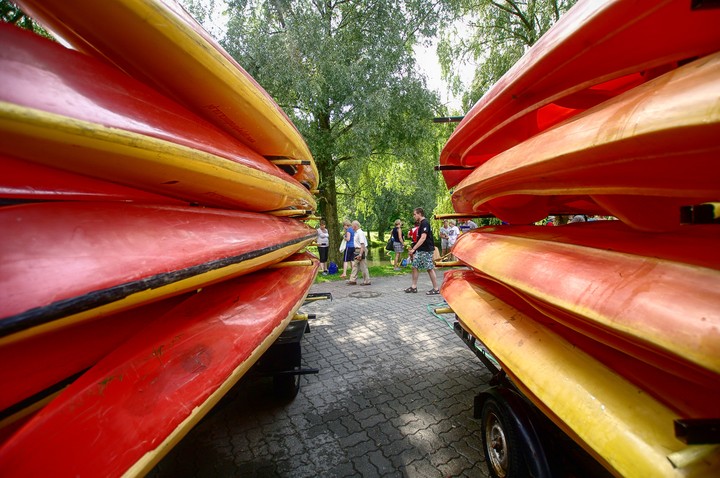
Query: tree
[[500, 33], [345, 74], [11, 13]]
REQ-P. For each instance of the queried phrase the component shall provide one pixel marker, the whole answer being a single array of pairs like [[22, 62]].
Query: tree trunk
[[327, 206]]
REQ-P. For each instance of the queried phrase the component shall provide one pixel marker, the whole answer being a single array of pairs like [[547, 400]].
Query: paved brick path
[[393, 398]]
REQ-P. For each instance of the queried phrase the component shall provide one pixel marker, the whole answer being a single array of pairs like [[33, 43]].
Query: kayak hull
[[134, 404]]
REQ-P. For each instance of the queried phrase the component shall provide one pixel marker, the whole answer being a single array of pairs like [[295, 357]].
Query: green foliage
[[11, 13], [345, 74], [500, 32]]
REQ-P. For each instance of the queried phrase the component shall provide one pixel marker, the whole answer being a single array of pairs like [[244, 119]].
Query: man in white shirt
[[360, 261]]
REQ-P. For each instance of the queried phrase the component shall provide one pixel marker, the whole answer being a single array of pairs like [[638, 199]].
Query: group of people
[[354, 248], [420, 251]]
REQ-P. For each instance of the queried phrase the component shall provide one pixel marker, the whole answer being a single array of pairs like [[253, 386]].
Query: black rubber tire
[[504, 452], [286, 387]]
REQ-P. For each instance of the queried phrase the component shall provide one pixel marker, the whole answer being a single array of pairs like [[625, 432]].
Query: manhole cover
[[365, 294]]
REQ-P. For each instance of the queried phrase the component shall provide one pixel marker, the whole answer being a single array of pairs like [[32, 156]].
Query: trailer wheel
[[501, 443], [286, 387]]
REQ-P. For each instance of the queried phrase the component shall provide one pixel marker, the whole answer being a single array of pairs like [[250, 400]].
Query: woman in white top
[[323, 242]]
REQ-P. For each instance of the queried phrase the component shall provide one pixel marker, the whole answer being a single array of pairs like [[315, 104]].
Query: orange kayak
[[582, 61], [662, 311], [626, 429], [136, 403], [640, 156]]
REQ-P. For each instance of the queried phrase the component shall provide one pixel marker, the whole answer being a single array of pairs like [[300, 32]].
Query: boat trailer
[[283, 360]]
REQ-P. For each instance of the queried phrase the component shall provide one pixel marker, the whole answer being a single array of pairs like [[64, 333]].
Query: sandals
[[365, 283], [432, 292], [411, 290], [351, 283]]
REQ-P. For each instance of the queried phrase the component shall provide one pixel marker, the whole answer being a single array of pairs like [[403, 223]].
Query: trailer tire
[[504, 451], [286, 387]]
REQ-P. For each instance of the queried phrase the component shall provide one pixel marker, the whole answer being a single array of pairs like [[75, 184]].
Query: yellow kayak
[[157, 42], [623, 427]]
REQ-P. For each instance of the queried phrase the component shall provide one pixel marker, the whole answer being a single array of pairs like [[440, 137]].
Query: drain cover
[[365, 294]]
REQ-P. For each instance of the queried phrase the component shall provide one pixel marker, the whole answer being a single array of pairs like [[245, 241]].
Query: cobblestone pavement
[[393, 398]]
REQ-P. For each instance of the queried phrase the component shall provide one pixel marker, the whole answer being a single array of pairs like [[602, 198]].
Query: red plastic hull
[[63, 262], [136, 402], [46, 84]]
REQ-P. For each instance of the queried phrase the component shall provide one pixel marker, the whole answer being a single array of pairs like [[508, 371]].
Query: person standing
[[444, 239], [453, 233], [349, 254], [360, 262], [323, 242], [398, 243], [422, 253]]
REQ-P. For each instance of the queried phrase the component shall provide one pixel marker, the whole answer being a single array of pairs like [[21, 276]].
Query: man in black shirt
[[421, 253]]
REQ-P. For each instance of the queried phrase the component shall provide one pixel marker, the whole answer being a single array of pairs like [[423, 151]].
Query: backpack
[[332, 268]]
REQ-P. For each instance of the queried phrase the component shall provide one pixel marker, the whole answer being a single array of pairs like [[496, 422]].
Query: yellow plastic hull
[[159, 43], [623, 427]]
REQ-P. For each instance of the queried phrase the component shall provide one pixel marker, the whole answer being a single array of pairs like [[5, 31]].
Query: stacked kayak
[[153, 239], [611, 327]]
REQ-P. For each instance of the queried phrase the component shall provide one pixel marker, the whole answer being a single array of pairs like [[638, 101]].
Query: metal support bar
[[448, 119], [300, 371], [453, 167], [698, 431], [470, 341]]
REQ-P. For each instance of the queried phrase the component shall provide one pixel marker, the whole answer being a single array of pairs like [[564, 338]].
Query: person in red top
[[421, 253]]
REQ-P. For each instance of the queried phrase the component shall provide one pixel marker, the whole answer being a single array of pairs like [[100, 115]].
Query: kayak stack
[[153, 207], [610, 327]]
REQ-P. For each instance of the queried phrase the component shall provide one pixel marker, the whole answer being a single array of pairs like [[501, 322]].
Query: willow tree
[[495, 34], [345, 73]]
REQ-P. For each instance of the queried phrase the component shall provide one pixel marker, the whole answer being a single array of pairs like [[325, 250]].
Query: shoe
[[324, 273], [365, 283], [351, 282], [411, 290], [432, 292]]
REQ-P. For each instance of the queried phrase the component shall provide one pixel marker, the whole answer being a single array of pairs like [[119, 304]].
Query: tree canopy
[[493, 35], [345, 73]]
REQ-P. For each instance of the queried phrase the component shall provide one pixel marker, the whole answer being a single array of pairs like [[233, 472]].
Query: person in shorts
[[421, 253]]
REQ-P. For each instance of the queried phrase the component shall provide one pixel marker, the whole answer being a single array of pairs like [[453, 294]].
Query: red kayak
[[67, 110], [66, 262], [596, 51], [44, 364], [159, 43], [24, 181], [127, 411]]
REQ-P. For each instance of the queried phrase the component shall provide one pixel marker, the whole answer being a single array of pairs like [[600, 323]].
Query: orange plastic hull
[[640, 157], [595, 51]]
